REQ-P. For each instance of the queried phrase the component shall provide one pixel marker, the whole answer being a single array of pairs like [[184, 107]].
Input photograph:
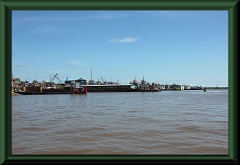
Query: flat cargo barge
[[118, 88], [74, 88], [110, 88], [41, 93]]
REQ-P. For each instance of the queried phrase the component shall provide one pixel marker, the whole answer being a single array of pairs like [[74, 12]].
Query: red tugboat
[[77, 88]]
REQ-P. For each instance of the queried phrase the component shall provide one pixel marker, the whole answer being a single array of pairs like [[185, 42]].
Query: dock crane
[[55, 76], [102, 80]]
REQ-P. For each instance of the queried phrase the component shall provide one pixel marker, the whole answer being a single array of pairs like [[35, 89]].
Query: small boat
[[204, 90]]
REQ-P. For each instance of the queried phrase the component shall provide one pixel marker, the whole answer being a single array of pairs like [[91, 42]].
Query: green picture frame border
[[6, 7]]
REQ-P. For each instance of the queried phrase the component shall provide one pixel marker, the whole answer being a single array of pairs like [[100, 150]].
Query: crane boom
[[59, 80], [102, 79], [55, 76]]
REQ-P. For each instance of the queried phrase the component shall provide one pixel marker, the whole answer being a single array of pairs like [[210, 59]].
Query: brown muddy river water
[[159, 123]]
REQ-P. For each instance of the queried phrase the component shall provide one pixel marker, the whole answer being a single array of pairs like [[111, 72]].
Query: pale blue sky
[[182, 47]]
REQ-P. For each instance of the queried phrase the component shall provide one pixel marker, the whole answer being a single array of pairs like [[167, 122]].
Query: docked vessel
[[149, 90], [77, 88], [74, 88], [145, 87], [69, 87], [111, 88], [115, 87], [80, 86]]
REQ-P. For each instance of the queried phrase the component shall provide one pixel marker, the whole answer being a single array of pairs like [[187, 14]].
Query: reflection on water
[[164, 123]]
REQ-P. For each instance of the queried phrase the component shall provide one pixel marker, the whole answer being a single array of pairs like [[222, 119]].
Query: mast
[[91, 74]]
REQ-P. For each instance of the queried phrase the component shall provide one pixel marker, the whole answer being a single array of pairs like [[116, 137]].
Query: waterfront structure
[[81, 80], [97, 86]]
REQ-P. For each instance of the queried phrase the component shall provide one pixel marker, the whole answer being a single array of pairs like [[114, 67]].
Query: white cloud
[[49, 29], [110, 16], [16, 65], [29, 19], [124, 40], [96, 15], [79, 63], [56, 71]]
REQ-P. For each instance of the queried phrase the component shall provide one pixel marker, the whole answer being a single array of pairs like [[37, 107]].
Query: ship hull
[[117, 88], [41, 93]]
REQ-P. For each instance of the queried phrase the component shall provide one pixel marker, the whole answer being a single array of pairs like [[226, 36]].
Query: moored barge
[[119, 88], [74, 88], [111, 88]]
